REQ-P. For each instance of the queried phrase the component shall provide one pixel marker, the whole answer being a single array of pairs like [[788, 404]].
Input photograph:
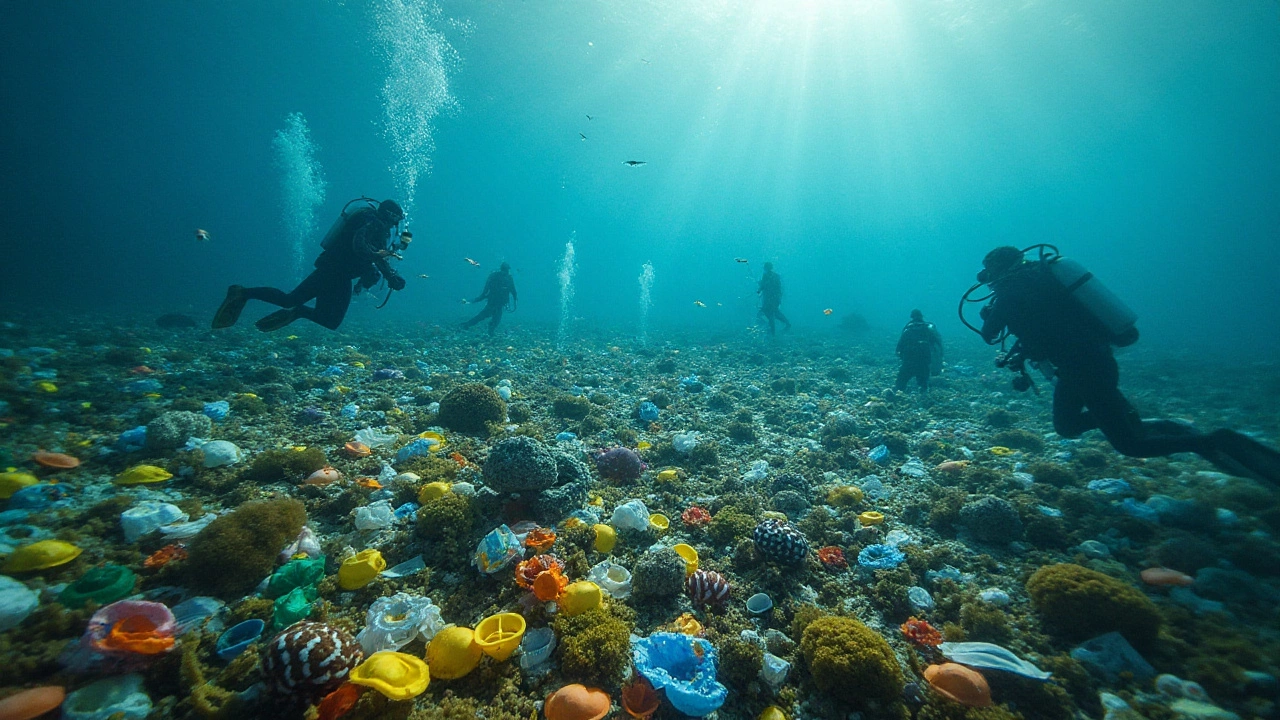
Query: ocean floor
[[845, 551]]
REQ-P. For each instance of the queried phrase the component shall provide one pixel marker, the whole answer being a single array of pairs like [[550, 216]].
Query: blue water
[[874, 151]]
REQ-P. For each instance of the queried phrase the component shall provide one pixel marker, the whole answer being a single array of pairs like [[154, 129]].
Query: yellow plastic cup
[[441, 443], [359, 570], [690, 558], [606, 538], [659, 522], [433, 491], [499, 635]]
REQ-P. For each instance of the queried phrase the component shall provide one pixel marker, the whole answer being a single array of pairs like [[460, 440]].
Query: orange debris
[[959, 683], [1166, 577], [639, 698], [540, 539], [55, 460], [164, 556], [339, 702], [921, 633], [137, 634], [550, 585], [357, 449]]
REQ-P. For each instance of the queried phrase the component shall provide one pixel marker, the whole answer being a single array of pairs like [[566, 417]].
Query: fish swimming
[[699, 303], [584, 137], [740, 260], [634, 163], [828, 311], [473, 262], [590, 118], [424, 276], [202, 235]]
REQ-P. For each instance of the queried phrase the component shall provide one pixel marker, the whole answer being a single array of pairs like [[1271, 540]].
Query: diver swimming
[[1066, 323], [770, 292], [357, 247], [920, 348], [499, 289]]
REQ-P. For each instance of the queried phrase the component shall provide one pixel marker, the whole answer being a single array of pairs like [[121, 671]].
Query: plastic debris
[[497, 549], [987, 656], [670, 662]]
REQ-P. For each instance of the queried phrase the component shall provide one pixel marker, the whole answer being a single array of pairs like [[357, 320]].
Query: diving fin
[[229, 311], [1243, 456], [277, 319]]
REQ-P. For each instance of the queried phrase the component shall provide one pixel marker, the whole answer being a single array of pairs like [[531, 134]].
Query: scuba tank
[[345, 222], [1104, 306]]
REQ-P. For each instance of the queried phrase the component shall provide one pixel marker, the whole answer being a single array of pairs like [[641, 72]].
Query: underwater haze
[[874, 151], [263, 458]]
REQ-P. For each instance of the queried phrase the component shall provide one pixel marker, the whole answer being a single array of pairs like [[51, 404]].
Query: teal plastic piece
[[295, 574], [294, 606], [685, 667], [103, 585]]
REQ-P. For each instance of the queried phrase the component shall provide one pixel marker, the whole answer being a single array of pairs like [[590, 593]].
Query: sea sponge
[[740, 663], [236, 551], [658, 574], [1078, 603], [171, 430], [991, 519], [284, 465], [595, 646], [520, 464], [471, 407], [730, 525], [851, 662], [1018, 439]]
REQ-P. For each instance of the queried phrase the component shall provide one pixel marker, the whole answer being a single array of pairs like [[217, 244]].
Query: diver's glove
[[395, 282]]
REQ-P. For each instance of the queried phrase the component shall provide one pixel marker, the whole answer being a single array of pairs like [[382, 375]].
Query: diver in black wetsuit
[[1066, 325], [919, 346], [355, 247], [497, 289], [770, 292]]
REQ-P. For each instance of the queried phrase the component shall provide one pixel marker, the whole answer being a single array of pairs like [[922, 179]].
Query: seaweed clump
[[729, 525], [571, 407], [1079, 603], [471, 408], [232, 555], [283, 465], [448, 521], [851, 662], [595, 646]]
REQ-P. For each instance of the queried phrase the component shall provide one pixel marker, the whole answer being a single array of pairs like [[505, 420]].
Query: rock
[[1110, 655], [992, 520], [171, 430]]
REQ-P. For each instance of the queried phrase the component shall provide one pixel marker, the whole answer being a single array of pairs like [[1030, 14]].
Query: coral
[[520, 464], [620, 464], [171, 430], [1052, 474], [741, 432], [985, 623], [284, 465], [992, 520], [851, 662], [595, 646], [790, 503], [236, 551], [431, 468], [470, 408], [704, 455], [248, 406], [730, 525], [740, 663], [1079, 603], [937, 707], [1001, 418], [447, 520], [571, 407], [1018, 439], [658, 574]]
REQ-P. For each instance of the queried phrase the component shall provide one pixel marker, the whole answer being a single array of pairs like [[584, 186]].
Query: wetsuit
[[1051, 326], [916, 346], [497, 289], [353, 254], [770, 292]]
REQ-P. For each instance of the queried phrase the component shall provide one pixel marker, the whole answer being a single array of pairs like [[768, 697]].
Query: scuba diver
[[497, 289], [357, 246], [770, 292], [1066, 323], [920, 347]]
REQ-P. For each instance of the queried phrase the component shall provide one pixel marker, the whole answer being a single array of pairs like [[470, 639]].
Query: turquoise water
[[873, 150]]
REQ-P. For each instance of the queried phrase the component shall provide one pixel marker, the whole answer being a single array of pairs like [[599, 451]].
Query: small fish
[[424, 276], [699, 303], [952, 466], [634, 163], [740, 260], [292, 337], [719, 304], [646, 62], [590, 118], [828, 311], [584, 137], [202, 235], [473, 262], [466, 301]]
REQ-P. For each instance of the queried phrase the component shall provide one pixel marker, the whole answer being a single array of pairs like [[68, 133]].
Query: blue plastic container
[[234, 641], [670, 662]]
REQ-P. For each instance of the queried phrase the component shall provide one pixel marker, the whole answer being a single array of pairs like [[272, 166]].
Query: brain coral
[[520, 464], [1078, 603]]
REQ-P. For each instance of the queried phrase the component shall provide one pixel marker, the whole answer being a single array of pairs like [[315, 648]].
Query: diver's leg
[[1069, 418], [904, 376], [232, 305], [771, 314], [778, 313], [310, 286], [922, 377], [317, 284], [479, 316], [1247, 457], [495, 317], [331, 304]]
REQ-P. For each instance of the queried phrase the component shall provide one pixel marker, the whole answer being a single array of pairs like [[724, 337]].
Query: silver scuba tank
[[1103, 305]]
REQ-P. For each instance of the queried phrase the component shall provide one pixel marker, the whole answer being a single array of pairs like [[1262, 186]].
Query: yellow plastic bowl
[[606, 538], [690, 556], [359, 570], [453, 653], [659, 522], [397, 675], [499, 635], [441, 443], [871, 517]]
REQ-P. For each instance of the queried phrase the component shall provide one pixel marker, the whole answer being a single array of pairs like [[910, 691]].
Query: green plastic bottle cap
[[103, 585]]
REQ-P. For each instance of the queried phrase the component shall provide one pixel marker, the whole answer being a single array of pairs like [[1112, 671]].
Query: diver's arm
[[514, 296], [488, 285]]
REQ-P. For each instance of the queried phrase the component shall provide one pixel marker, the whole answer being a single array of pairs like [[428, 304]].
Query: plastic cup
[[499, 635]]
